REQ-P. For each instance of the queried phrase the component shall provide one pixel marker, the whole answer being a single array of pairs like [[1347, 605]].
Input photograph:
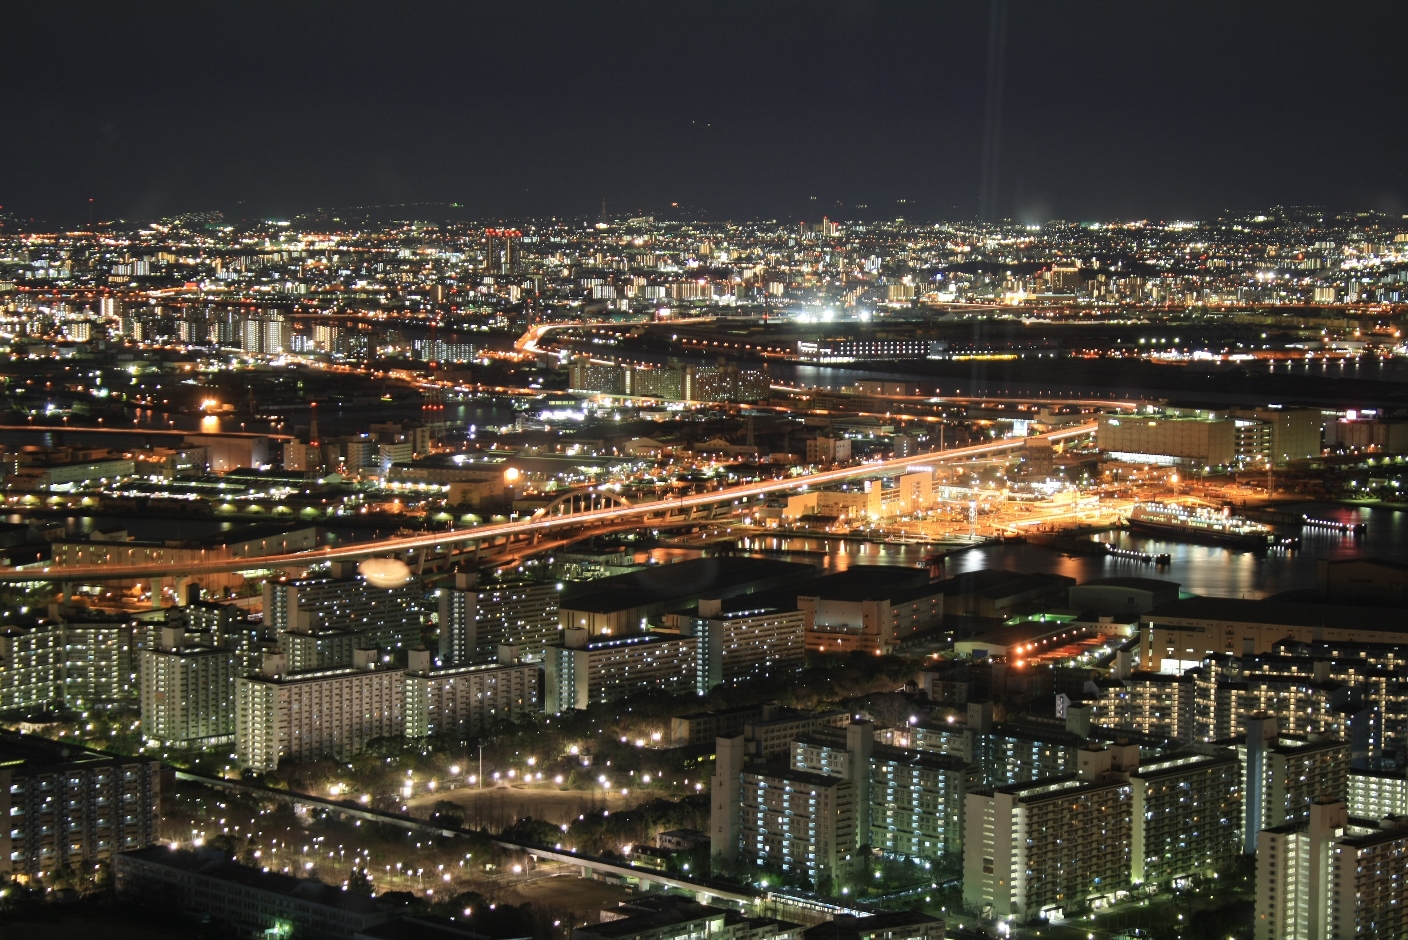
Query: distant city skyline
[[791, 111]]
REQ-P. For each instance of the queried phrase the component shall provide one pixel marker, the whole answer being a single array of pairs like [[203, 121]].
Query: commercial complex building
[[1177, 637], [1282, 434], [63, 807], [1193, 441]]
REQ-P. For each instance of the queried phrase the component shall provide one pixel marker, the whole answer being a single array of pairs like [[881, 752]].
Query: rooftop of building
[[430, 927], [997, 583], [721, 712], [927, 760], [784, 714], [872, 582], [653, 913], [1392, 829], [1397, 776], [1026, 631], [216, 866], [1177, 764], [39, 754], [1151, 678], [236, 533], [1132, 584], [850, 927], [1056, 788], [636, 639], [1282, 613], [443, 672], [680, 582], [752, 611], [1390, 564], [778, 771], [324, 674], [1284, 744]]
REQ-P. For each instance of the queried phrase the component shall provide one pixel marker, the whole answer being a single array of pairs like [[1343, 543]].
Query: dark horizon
[[857, 110]]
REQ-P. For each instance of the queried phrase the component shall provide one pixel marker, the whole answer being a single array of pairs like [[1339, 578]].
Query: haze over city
[[834, 471]]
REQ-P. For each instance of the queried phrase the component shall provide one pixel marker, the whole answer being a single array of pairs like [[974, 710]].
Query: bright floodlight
[[385, 572]]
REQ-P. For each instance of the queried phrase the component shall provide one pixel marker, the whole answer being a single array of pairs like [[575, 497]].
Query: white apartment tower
[[334, 712], [188, 691]]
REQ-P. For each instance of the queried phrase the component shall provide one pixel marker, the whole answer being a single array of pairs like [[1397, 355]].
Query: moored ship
[[1196, 523]]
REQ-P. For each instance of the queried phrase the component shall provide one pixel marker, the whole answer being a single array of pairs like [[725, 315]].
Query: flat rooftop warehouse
[[995, 593], [872, 582], [861, 583], [620, 603], [1114, 596]]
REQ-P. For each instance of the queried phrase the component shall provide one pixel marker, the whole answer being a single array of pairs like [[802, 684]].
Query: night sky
[[751, 110]]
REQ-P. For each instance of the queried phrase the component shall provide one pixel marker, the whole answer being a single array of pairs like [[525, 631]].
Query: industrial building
[[871, 611], [996, 594], [1121, 597]]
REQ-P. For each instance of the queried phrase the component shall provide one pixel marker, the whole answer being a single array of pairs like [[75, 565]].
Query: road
[[531, 526]]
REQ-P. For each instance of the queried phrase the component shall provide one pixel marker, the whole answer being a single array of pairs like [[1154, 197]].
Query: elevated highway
[[535, 526]]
